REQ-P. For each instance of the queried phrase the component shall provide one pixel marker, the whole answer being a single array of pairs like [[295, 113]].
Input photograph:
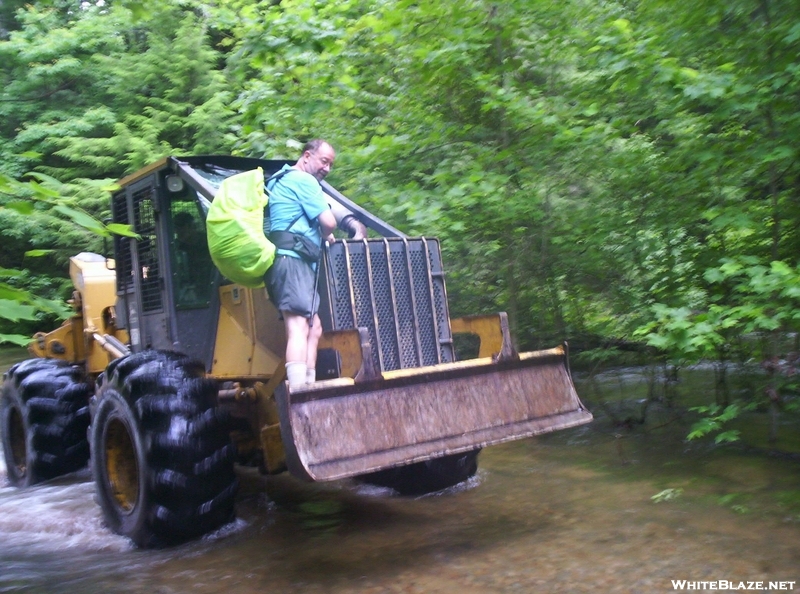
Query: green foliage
[[666, 495], [743, 297], [99, 94], [88, 95], [715, 419], [24, 305], [765, 297], [29, 301]]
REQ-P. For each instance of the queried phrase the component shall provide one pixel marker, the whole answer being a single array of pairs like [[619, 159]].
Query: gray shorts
[[291, 286]]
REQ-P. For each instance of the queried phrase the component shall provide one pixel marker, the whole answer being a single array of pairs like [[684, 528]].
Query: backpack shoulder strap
[[277, 178]]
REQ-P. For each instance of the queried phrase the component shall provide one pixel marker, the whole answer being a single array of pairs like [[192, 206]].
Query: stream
[[592, 509]]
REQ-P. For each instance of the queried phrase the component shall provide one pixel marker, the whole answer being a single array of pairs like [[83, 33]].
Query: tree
[[89, 95]]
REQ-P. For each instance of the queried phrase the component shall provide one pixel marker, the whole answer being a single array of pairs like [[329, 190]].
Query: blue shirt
[[296, 200]]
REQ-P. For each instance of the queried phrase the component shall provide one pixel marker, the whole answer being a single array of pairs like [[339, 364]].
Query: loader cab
[[165, 277]]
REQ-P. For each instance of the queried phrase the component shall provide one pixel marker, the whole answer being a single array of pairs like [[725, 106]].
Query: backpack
[[235, 229]]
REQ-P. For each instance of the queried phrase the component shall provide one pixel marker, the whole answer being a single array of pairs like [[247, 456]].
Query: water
[[595, 509]]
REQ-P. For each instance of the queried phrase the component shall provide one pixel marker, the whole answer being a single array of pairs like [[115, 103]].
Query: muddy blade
[[338, 429]]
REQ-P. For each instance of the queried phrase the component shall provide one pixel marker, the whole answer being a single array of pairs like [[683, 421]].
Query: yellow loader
[[168, 375]]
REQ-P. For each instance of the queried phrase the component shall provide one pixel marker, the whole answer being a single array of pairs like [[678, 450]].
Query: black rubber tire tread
[[51, 397], [46, 437], [426, 477], [169, 409]]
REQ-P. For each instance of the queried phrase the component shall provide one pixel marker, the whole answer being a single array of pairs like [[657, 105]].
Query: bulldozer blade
[[339, 428]]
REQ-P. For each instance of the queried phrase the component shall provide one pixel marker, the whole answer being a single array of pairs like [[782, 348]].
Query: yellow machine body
[[90, 336]]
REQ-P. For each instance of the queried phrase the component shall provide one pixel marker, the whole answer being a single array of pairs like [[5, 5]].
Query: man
[[299, 220], [193, 259]]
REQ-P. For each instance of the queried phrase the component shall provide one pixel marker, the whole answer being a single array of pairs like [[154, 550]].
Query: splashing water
[[57, 515]]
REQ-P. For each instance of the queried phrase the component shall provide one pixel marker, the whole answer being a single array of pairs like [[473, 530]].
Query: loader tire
[[426, 477], [162, 456], [44, 414]]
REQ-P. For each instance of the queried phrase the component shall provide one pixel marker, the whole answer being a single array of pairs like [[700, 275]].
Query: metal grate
[[122, 245], [395, 288], [147, 250]]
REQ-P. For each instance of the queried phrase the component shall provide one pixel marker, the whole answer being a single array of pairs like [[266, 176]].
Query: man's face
[[319, 162]]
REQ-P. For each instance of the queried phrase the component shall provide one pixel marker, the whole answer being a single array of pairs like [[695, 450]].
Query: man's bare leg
[[314, 333], [297, 339]]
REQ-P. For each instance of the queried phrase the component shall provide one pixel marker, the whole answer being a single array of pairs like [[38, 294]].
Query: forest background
[[617, 174]]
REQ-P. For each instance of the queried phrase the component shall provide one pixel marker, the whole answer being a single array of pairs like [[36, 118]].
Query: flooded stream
[[585, 510]]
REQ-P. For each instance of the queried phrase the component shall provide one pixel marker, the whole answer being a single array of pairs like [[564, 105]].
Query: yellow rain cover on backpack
[[235, 229]]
